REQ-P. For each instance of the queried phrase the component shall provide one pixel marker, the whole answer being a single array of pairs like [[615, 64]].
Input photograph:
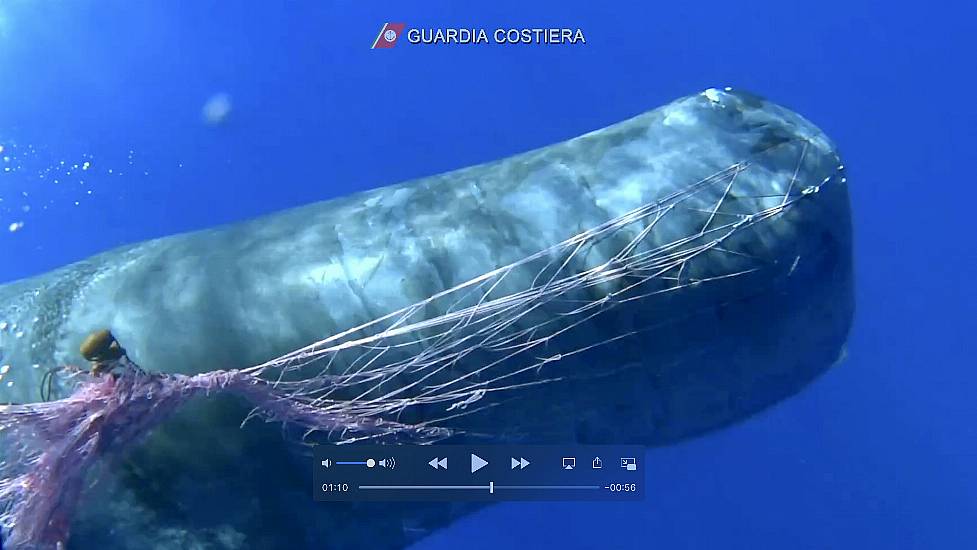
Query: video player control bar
[[480, 472]]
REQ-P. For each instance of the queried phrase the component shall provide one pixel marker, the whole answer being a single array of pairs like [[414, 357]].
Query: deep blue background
[[880, 453]]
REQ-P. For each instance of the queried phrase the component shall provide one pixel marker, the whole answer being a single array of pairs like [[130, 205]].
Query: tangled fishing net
[[358, 384]]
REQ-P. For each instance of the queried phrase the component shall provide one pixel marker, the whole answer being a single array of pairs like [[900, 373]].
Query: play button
[[478, 463]]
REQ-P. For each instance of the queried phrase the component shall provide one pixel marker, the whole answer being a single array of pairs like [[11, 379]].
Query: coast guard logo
[[389, 33]]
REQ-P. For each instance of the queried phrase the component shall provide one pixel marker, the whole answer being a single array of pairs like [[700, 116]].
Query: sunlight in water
[[4, 24]]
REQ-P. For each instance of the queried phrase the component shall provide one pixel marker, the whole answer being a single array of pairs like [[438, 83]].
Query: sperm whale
[[643, 283]]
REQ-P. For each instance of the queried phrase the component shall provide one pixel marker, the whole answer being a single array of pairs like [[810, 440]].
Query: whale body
[[238, 295]]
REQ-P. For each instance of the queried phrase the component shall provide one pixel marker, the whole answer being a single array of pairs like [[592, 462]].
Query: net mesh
[[457, 352], [411, 358]]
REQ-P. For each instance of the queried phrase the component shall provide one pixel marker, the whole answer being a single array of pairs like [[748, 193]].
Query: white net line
[[406, 359]]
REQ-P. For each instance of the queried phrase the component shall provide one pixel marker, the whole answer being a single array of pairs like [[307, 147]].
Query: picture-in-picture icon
[[629, 464]]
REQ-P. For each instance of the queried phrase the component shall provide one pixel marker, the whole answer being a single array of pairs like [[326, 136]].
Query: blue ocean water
[[879, 453]]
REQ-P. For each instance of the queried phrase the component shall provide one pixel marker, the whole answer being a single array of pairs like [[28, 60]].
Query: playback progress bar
[[478, 473], [491, 487]]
